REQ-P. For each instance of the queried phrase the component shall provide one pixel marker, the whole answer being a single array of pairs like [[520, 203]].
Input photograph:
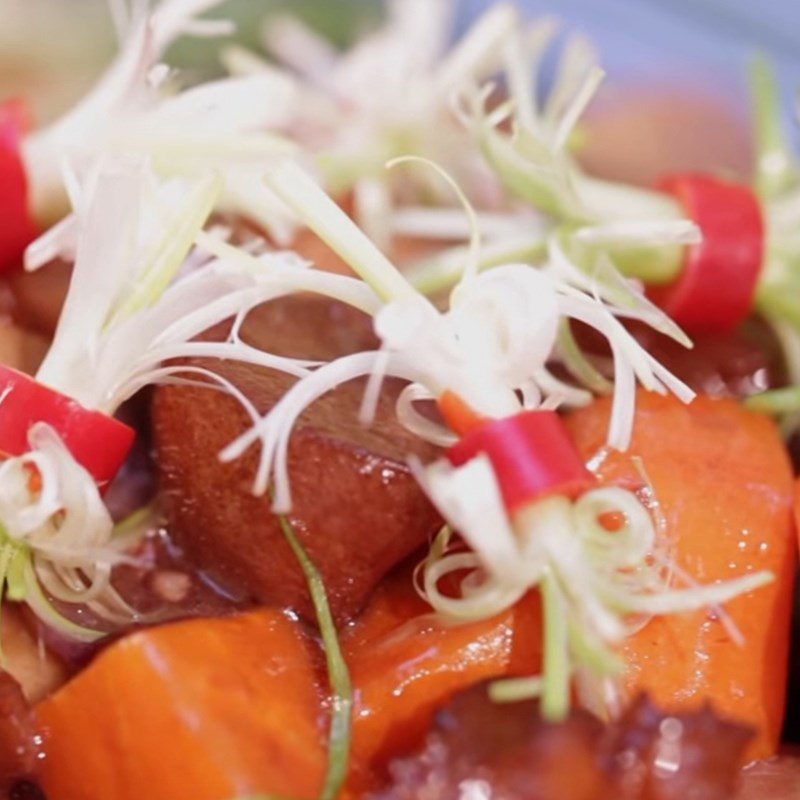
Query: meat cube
[[357, 508]]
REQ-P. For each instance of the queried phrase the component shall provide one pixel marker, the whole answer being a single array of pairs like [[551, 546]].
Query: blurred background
[[703, 42], [676, 94], [699, 40]]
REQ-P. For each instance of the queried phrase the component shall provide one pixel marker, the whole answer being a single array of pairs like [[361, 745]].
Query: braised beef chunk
[[357, 508], [775, 779], [689, 756], [40, 295], [26, 790], [740, 364], [20, 744], [481, 749]]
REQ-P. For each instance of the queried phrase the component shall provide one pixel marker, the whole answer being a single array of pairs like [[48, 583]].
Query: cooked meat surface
[[689, 756], [776, 779], [356, 506], [738, 365], [39, 295], [480, 749]]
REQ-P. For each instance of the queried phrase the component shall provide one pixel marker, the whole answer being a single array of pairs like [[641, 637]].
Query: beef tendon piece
[[481, 749], [356, 507]]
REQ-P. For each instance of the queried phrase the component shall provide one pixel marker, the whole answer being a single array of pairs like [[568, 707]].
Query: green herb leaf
[[776, 401], [513, 690], [775, 165], [557, 669]]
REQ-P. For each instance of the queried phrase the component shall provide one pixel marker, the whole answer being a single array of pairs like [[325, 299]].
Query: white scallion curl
[[611, 582], [60, 529]]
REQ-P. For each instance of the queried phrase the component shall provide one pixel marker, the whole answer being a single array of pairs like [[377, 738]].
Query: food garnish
[[489, 351], [338, 674], [676, 238], [127, 316], [135, 109], [350, 131], [525, 324]]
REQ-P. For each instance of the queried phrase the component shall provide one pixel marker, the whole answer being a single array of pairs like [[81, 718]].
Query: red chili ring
[[17, 226], [532, 455], [97, 441], [715, 290]]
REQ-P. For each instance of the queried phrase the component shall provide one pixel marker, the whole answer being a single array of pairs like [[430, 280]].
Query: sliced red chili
[[532, 455], [715, 290], [97, 441], [17, 226]]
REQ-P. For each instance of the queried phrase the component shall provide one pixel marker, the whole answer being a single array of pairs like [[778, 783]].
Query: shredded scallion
[[557, 672], [512, 690], [341, 723], [775, 401], [340, 728], [578, 364]]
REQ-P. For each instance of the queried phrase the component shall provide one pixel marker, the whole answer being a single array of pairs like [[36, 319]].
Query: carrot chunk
[[723, 480], [219, 709], [199, 710], [406, 664]]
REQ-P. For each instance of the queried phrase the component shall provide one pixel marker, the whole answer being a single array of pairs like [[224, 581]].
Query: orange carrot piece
[[797, 508], [218, 709], [724, 482], [405, 664], [199, 710]]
